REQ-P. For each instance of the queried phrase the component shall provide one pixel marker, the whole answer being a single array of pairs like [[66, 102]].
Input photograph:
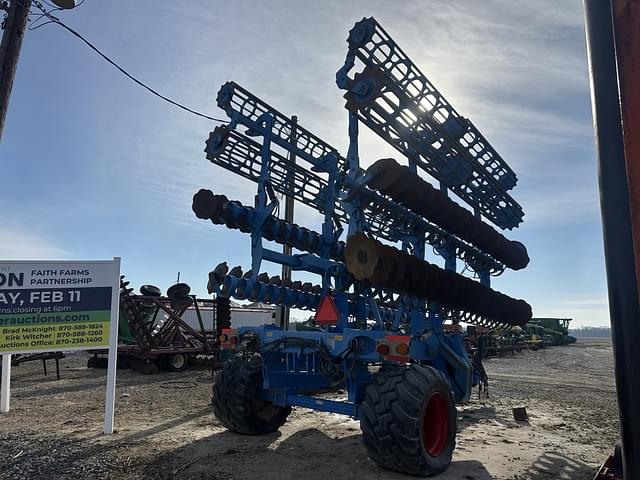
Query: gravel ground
[[165, 428]]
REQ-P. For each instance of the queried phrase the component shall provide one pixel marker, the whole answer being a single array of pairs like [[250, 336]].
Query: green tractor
[[555, 331]]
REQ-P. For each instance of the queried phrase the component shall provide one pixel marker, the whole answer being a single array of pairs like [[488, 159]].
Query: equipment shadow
[[310, 454], [86, 380], [556, 465], [474, 414]]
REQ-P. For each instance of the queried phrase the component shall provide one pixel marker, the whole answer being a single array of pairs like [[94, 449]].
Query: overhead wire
[[49, 4], [53, 19], [34, 22], [54, 8]]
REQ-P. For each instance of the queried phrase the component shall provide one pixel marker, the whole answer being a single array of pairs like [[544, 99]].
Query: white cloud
[[19, 244], [560, 206]]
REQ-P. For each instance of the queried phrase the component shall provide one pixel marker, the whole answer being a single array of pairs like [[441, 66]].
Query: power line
[[53, 19]]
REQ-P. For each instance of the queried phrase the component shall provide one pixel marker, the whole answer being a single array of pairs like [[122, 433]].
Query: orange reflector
[[222, 338], [383, 349], [402, 349], [327, 311]]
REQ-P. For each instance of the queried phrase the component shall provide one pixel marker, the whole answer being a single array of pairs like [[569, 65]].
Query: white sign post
[[112, 366], [53, 306], [6, 383]]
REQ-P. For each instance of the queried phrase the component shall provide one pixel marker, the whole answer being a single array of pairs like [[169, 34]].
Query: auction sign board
[[48, 306]]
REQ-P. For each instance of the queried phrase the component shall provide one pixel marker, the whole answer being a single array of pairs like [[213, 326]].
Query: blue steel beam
[[324, 405]]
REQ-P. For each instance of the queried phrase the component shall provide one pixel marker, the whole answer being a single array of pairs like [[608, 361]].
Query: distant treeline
[[591, 332]]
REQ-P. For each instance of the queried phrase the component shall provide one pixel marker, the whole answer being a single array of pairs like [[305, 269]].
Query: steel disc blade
[[360, 256], [386, 173], [236, 271], [203, 204]]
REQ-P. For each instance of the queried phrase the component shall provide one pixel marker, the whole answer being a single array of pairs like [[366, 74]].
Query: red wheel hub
[[435, 424]]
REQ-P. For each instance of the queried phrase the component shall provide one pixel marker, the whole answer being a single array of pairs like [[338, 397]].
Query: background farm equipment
[[535, 334], [555, 330], [17, 359], [505, 341], [153, 333], [381, 303], [499, 341]]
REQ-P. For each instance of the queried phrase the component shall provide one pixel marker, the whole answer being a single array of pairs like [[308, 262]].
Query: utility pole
[[284, 312], [18, 12]]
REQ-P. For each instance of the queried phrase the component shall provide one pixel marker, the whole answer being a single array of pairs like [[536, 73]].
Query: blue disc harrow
[[386, 319]]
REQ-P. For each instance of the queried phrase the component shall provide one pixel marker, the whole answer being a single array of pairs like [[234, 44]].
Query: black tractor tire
[[177, 362], [234, 398], [98, 362], [150, 291], [409, 420], [178, 303], [178, 290]]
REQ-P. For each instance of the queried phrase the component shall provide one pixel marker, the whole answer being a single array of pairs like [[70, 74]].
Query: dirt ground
[[166, 430]]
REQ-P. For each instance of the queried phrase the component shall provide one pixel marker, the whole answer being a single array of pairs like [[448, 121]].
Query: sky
[[92, 166]]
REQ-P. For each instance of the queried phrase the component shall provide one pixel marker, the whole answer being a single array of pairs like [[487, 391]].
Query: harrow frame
[[360, 323]]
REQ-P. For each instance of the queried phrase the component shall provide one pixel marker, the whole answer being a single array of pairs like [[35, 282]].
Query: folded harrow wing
[[380, 306]]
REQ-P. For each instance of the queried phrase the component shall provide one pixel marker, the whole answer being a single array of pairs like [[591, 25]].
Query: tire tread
[[391, 417], [233, 394]]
